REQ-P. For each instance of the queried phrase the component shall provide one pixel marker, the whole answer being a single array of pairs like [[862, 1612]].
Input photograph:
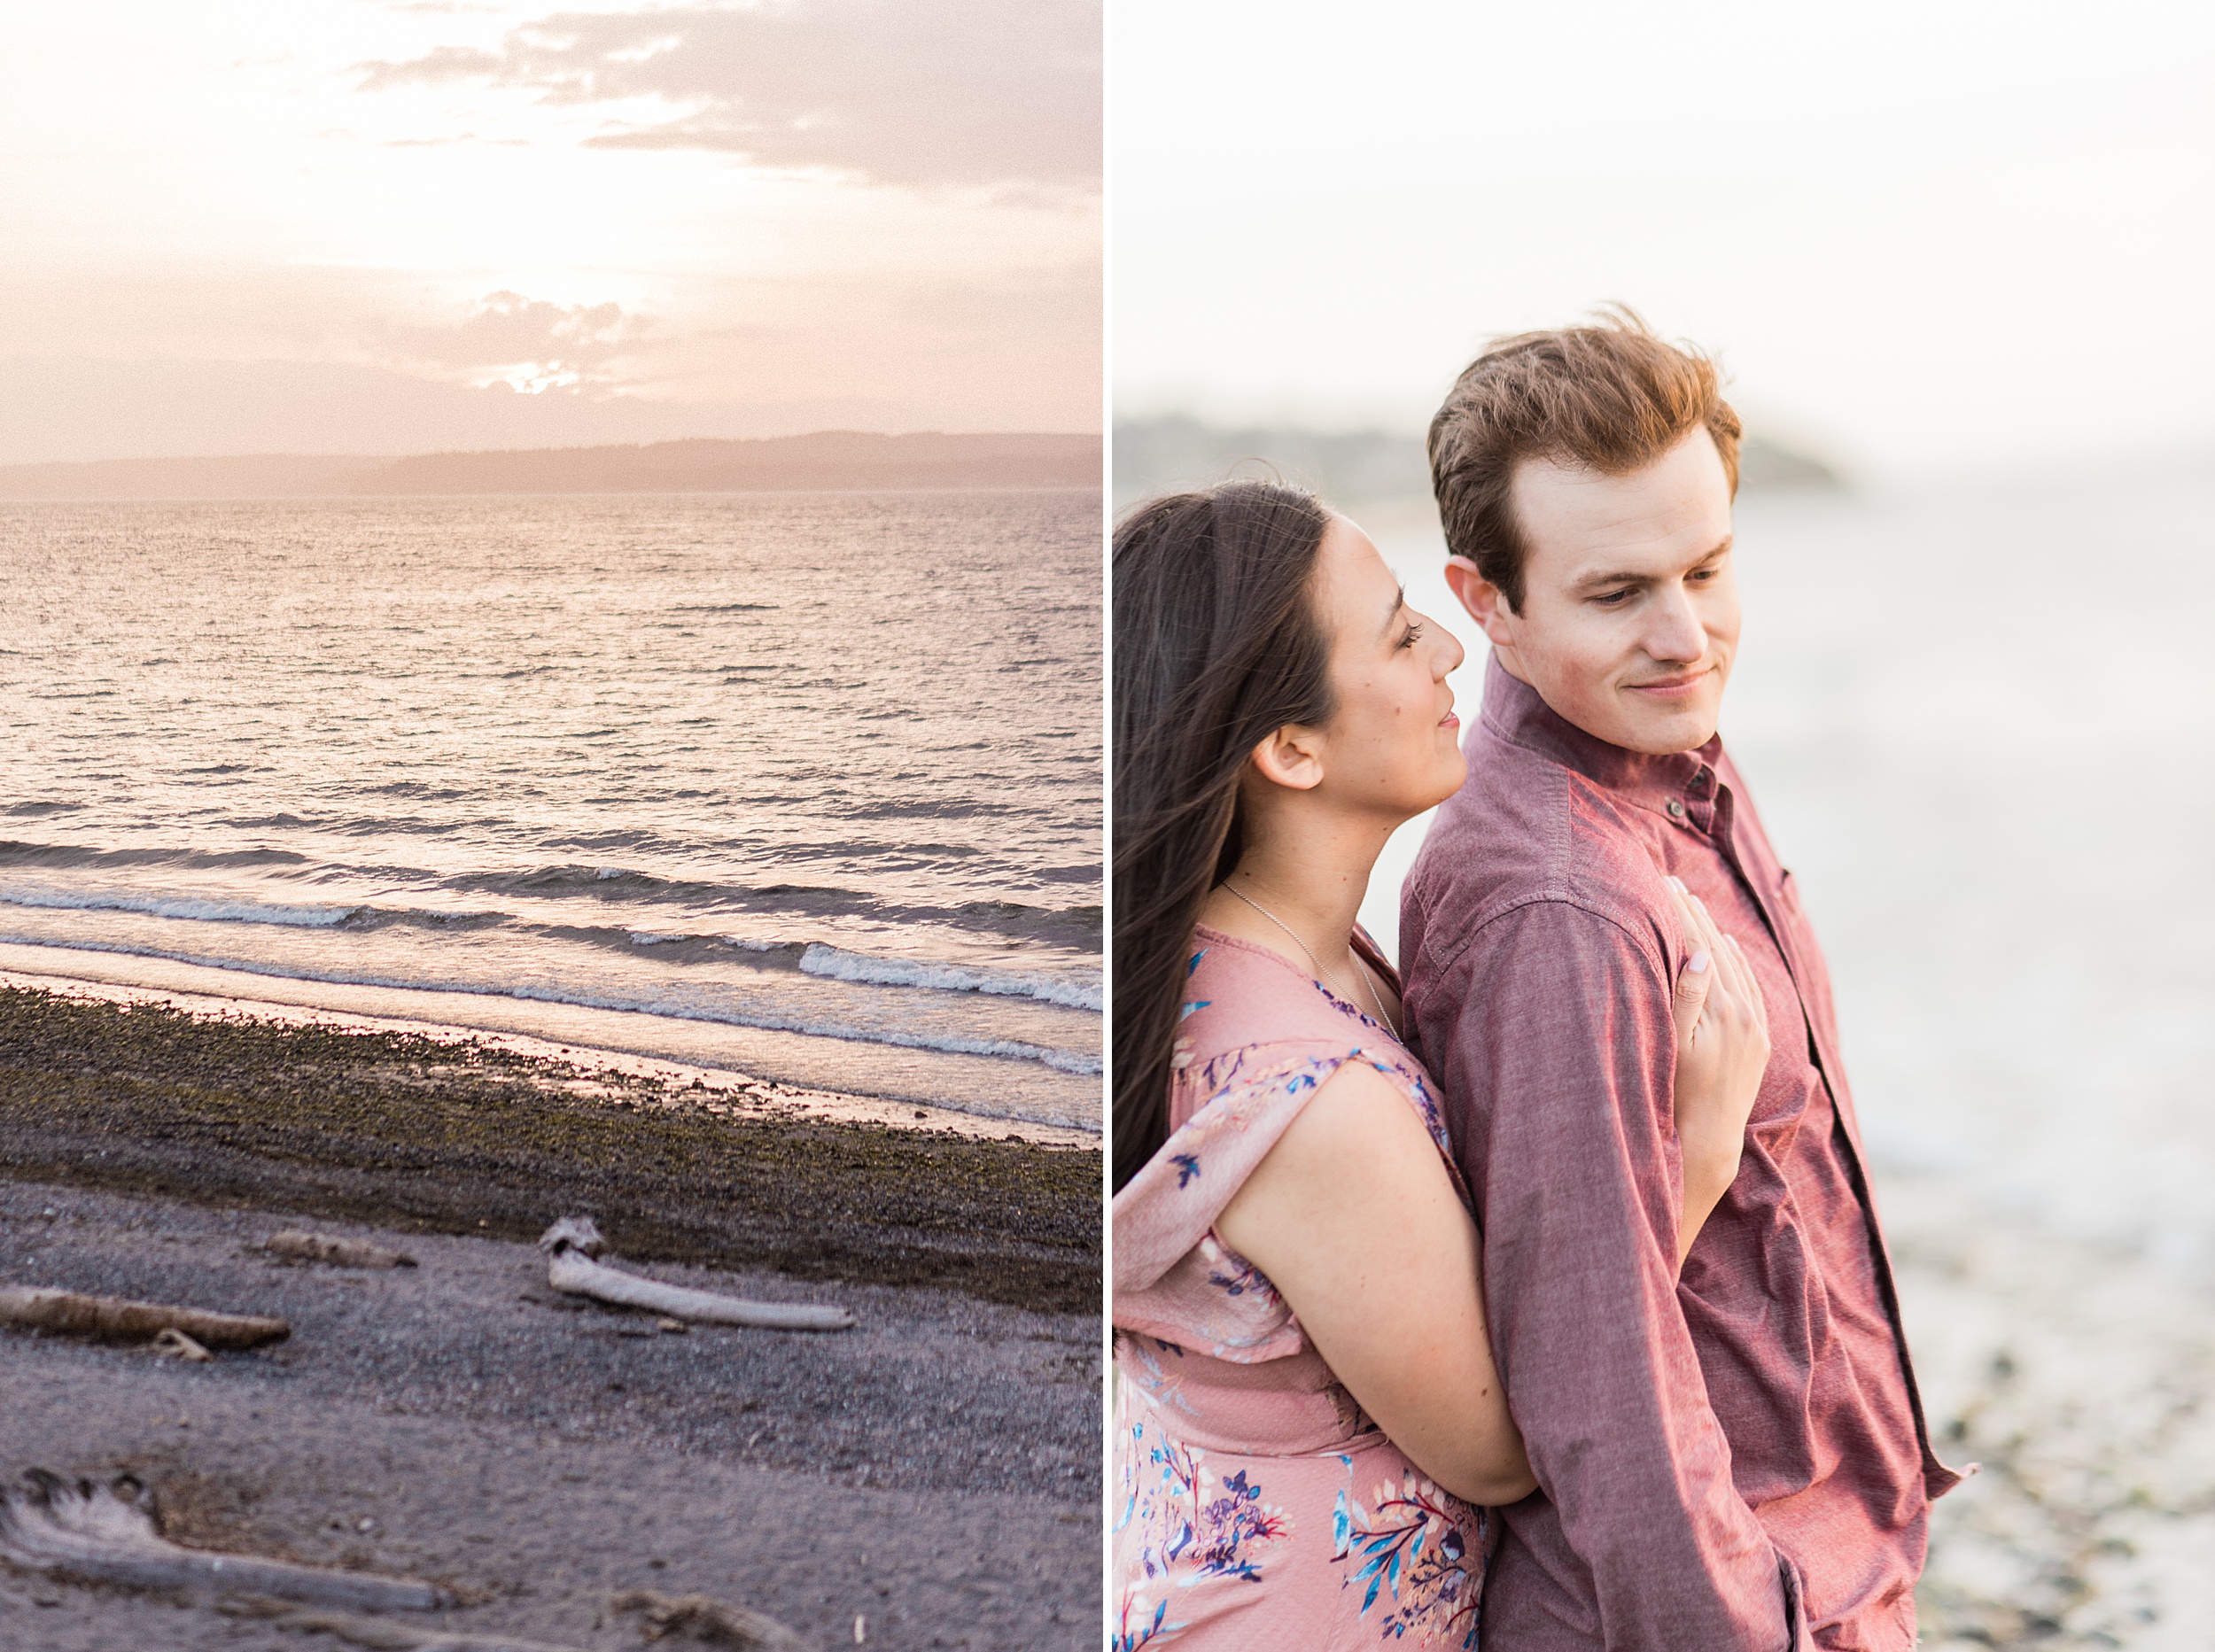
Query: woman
[[1312, 1422]]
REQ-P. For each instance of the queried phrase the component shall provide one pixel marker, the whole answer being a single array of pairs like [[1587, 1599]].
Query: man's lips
[[1677, 688]]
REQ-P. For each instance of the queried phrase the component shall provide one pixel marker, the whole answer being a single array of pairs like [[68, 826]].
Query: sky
[[360, 226], [1922, 237]]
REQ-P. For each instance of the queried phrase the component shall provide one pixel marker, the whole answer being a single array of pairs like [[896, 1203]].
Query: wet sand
[[468, 1135]]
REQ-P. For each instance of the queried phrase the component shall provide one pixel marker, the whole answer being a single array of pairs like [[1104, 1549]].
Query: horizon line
[[575, 448]]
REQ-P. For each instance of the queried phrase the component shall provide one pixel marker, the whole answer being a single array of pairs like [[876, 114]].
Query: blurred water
[[1978, 723], [822, 764]]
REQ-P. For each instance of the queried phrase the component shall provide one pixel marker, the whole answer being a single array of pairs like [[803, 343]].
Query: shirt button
[[1676, 809]]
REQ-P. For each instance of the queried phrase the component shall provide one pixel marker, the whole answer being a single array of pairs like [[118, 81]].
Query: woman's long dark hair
[[1216, 645]]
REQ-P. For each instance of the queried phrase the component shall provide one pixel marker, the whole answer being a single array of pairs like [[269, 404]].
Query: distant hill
[[1361, 468], [826, 461]]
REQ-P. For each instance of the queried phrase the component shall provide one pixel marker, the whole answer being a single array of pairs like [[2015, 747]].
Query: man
[[1734, 1458]]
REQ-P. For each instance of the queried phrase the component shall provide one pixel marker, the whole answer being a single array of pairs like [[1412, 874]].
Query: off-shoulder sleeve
[[1173, 1279]]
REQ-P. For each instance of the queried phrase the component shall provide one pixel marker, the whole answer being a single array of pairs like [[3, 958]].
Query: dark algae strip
[[406, 1131]]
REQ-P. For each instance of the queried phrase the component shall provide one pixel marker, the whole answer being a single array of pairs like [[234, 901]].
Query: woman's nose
[[1450, 653]]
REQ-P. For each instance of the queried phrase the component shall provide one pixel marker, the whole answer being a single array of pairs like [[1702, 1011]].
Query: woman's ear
[[1292, 757], [1481, 600]]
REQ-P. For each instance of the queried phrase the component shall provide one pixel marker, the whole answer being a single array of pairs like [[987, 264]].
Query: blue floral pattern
[[1423, 1548], [1191, 1527]]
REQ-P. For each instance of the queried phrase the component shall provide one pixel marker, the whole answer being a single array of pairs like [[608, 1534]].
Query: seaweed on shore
[[407, 1131]]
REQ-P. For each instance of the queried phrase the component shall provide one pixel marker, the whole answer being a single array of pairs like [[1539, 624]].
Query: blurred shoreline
[[1356, 470], [2077, 1377]]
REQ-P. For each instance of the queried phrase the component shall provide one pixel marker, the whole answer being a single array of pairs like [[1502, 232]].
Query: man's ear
[[1292, 757], [1481, 600]]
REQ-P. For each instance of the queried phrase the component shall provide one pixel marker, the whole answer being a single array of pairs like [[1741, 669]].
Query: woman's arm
[[1352, 1217], [1723, 1049]]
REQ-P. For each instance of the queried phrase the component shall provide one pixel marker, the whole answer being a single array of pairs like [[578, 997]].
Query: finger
[[1726, 989], [1700, 934], [1729, 979], [1697, 979], [1746, 985], [1753, 988], [1694, 981]]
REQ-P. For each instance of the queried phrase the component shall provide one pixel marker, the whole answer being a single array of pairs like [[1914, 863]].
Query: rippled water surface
[[820, 770]]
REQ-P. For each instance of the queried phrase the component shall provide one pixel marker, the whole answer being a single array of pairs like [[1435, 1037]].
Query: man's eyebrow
[[1622, 577], [1626, 577]]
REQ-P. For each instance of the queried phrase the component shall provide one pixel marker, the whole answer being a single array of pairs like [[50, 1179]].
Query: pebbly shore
[[930, 1478], [2082, 1381]]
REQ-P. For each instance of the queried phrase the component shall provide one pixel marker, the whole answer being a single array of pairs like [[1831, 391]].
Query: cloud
[[446, 63], [526, 344], [957, 93]]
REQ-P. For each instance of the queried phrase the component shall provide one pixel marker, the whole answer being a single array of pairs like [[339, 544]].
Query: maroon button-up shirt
[[1731, 1458]]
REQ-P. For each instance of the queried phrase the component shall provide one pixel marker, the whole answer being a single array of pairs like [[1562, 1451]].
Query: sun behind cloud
[[623, 223]]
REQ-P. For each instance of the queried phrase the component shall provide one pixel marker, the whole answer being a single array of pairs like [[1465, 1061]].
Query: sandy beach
[[931, 1474]]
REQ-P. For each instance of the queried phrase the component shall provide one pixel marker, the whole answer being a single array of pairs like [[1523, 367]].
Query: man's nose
[[1675, 632]]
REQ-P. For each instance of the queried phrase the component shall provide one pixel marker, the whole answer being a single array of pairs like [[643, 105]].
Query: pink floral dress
[[1255, 1505]]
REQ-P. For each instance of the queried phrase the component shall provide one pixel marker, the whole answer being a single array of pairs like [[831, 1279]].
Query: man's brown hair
[[1613, 398]]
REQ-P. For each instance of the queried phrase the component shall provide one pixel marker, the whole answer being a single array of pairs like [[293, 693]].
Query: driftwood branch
[[112, 1319], [381, 1635], [711, 1622], [573, 1242], [173, 1341], [106, 1534], [296, 1246]]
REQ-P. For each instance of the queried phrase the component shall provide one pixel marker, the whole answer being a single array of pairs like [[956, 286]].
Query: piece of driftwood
[[572, 1242], [105, 1533], [297, 1246], [381, 1634], [112, 1319], [710, 1622], [173, 1341]]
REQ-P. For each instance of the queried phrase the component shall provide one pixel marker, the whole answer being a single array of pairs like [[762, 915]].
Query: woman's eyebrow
[[1399, 601]]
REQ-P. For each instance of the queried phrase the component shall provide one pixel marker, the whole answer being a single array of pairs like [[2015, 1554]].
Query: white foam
[[767, 1021], [193, 909], [1070, 992]]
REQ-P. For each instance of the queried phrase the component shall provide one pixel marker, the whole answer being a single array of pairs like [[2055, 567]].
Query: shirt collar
[[1514, 711]]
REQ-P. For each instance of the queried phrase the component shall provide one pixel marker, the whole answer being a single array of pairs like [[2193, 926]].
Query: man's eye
[[1611, 598]]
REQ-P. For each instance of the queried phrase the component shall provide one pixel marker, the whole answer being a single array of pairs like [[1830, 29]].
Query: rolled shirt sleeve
[[1551, 1037]]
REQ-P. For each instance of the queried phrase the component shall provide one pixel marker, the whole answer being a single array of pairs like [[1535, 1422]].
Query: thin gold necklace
[[1382, 1019]]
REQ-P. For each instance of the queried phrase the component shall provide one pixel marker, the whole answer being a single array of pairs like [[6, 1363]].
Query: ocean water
[[807, 785], [1979, 719]]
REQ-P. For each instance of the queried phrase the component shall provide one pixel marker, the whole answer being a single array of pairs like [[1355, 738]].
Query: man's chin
[[1666, 737]]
